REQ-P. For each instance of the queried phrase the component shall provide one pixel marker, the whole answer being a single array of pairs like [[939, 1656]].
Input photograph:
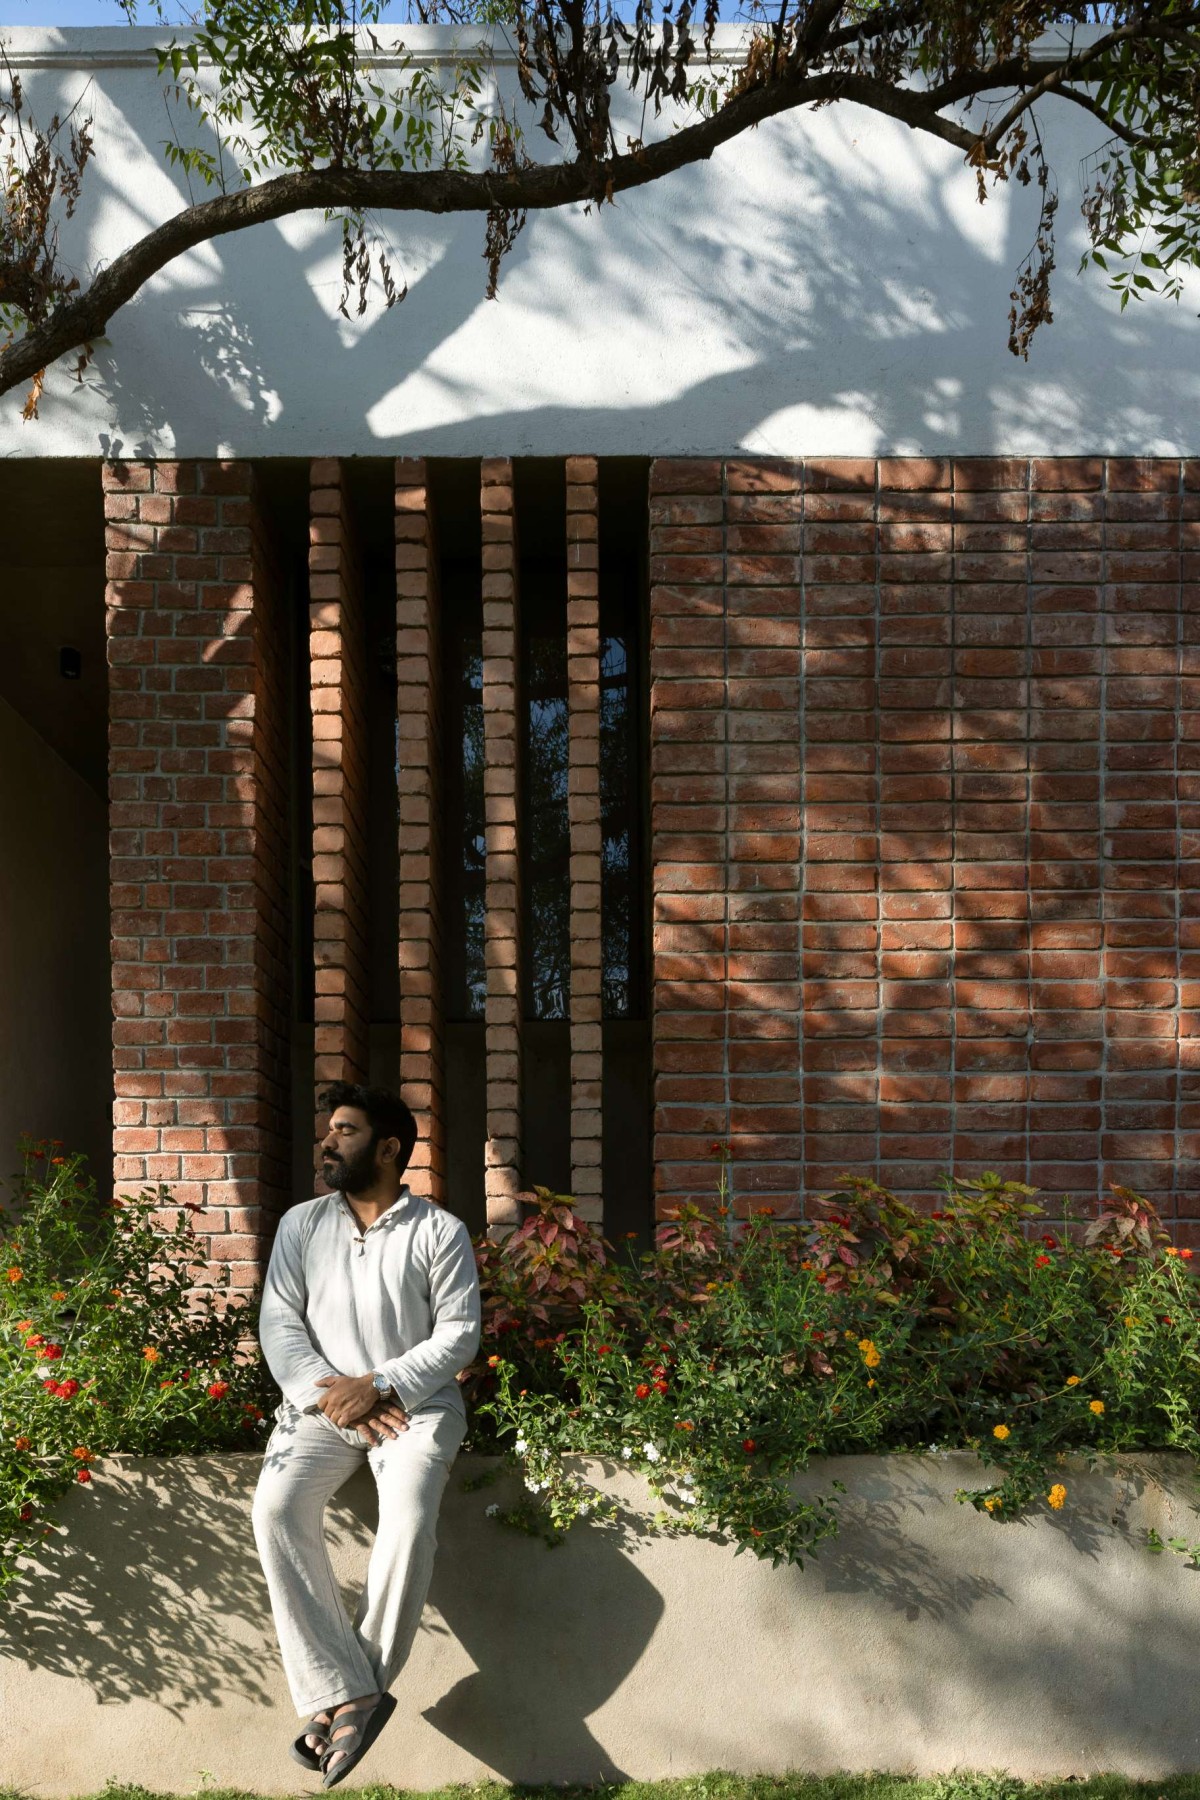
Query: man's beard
[[350, 1175]]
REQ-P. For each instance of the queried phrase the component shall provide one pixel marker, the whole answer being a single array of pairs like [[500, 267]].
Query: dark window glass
[[616, 845], [462, 622], [547, 827]]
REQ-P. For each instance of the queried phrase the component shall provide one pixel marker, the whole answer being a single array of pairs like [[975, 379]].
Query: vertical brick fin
[[1067, 742], [583, 802], [842, 1014], [1142, 842], [764, 504], [1187, 1110], [197, 754], [502, 924], [916, 672], [689, 816], [337, 693], [419, 715]]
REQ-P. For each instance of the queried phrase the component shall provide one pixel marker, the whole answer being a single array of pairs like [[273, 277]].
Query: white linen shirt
[[401, 1297]]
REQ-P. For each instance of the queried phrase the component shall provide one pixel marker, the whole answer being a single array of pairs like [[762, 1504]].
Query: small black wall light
[[70, 663]]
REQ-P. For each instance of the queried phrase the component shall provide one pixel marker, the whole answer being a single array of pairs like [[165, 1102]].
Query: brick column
[[916, 658], [763, 510], [502, 928], [337, 676], [688, 877], [198, 758], [1067, 730], [583, 801], [842, 1017], [418, 701], [1144, 847]]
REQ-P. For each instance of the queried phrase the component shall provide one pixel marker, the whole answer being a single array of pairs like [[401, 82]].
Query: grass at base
[[722, 1786]]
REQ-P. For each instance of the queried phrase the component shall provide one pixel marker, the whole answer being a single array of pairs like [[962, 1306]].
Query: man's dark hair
[[387, 1114]]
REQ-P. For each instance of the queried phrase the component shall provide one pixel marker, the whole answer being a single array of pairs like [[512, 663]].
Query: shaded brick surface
[[198, 848]]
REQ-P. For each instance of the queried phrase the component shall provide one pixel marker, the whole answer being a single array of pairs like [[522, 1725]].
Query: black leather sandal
[[302, 1751], [353, 1739]]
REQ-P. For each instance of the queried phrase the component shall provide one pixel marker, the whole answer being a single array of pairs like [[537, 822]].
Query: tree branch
[[1073, 66], [84, 318]]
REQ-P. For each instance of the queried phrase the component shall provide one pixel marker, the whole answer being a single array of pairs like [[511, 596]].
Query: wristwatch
[[381, 1384]]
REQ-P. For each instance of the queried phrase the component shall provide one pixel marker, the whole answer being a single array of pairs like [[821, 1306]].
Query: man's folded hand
[[348, 1398], [386, 1420]]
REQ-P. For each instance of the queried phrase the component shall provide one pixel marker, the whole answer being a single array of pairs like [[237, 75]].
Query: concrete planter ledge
[[924, 1637]]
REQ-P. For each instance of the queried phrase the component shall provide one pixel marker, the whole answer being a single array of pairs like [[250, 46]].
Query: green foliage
[[114, 1336], [719, 1784], [721, 1363]]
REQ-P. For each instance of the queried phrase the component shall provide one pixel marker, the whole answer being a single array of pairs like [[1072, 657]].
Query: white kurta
[[401, 1297]]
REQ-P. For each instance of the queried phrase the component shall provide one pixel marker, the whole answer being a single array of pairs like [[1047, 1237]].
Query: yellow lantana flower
[[1096, 1406], [1000, 1431], [1056, 1496], [870, 1354], [992, 1502], [150, 1354], [1073, 1380]]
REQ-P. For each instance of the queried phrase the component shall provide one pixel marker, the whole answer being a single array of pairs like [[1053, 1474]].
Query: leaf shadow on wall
[[830, 311], [153, 1589]]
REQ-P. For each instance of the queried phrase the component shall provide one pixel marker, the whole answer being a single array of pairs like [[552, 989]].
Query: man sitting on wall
[[370, 1309]]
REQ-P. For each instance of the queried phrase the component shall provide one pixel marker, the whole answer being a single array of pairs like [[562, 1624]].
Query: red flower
[[1167, 1321], [33, 1340], [1050, 1241], [21, 1443], [684, 1425], [1113, 1251], [1043, 1262], [84, 1475], [26, 1513], [1187, 1255], [749, 1446], [642, 1390], [49, 1352], [603, 1349], [217, 1390], [67, 1390], [937, 1215], [755, 1532], [661, 1386]]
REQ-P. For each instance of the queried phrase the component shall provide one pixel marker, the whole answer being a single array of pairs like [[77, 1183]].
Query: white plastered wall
[[828, 285]]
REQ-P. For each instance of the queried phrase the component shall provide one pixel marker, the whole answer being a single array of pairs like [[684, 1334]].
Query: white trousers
[[326, 1658]]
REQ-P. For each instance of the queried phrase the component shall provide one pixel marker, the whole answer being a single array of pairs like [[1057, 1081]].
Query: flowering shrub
[[720, 1363], [112, 1338]]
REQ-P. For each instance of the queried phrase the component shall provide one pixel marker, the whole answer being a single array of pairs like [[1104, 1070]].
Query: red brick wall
[[924, 823], [198, 847], [419, 720], [337, 696]]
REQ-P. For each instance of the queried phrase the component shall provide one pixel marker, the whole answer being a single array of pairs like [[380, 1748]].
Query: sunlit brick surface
[[925, 807]]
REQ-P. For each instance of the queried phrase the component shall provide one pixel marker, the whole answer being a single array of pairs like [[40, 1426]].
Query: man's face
[[350, 1161]]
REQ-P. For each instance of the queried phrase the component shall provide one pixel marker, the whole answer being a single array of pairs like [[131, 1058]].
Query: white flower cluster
[[521, 1446], [651, 1452]]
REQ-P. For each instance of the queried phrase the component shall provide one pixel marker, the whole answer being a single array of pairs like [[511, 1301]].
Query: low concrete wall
[[925, 1637]]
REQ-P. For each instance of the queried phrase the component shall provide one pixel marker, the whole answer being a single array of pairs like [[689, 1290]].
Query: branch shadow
[[821, 287]]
